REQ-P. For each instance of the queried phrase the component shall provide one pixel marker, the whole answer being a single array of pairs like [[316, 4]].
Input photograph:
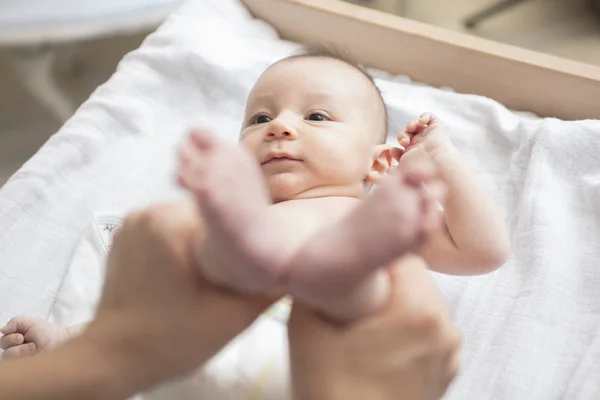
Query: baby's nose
[[279, 131], [280, 134]]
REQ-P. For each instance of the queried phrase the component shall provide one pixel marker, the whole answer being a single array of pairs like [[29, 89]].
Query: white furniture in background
[[29, 29]]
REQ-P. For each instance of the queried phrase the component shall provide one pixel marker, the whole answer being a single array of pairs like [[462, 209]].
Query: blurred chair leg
[[490, 12], [34, 68]]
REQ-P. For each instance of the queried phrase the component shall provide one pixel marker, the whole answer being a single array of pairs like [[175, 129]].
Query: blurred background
[[41, 85]]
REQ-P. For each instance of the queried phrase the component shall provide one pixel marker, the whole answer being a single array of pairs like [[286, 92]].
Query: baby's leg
[[242, 247], [338, 270], [245, 249]]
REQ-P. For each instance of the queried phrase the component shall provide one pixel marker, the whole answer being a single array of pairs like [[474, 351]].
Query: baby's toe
[[185, 154], [185, 170], [203, 140], [192, 165], [183, 178], [411, 127], [428, 118], [403, 140]]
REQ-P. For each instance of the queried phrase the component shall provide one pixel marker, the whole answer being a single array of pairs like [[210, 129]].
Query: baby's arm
[[474, 238], [24, 336]]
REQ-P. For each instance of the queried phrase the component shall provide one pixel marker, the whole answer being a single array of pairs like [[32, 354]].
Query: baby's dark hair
[[330, 52]]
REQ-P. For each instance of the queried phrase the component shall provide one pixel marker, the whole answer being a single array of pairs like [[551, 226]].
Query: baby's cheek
[[340, 162], [344, 170]]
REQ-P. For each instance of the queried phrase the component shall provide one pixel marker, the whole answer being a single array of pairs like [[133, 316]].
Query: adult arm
[[157, 318]]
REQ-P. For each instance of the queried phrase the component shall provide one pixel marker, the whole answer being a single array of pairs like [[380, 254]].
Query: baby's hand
[[426, 136], [23, 336]]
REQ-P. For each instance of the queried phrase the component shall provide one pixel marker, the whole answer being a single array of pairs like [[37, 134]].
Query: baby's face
[[313, 124]]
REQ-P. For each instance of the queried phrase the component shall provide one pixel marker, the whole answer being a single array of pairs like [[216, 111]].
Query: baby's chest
[[303, 218]]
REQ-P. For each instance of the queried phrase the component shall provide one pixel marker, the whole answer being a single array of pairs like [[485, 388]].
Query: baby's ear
[[383, 157]]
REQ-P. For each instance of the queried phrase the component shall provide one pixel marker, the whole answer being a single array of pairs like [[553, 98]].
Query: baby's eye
[[260, 119], [317, 117]]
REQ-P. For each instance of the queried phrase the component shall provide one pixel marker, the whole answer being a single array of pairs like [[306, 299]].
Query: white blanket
[[531, 329]]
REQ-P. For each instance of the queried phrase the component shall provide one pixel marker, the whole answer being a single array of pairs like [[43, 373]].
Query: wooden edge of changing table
[[520, 79]]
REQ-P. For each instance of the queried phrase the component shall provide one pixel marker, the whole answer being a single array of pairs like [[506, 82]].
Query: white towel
[[531, 329]]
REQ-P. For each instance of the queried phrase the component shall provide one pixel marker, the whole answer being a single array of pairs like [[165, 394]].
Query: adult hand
[[157, 319], [408, 351], [156, 310]]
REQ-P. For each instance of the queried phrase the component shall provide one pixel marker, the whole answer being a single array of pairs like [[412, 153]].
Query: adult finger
[[450, 367], [454, 361]]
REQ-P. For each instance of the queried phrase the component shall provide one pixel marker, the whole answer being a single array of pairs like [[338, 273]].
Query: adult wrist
[[123, 367], [81, 369]]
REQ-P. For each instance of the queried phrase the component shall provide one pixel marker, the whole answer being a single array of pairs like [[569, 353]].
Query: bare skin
[[251, 247], [279, 208], [410, 347], [302, 182], [136, 340], [331, 362], [474, 238], [302, 204]]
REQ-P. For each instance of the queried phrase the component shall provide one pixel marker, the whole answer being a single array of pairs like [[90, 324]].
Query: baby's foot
[[239, 250], [392, 221]]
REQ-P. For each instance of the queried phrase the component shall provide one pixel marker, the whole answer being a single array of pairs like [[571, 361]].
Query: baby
[[291, 210]]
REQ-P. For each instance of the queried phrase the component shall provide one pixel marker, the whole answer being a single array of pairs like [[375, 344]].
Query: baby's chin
[[285, 186]]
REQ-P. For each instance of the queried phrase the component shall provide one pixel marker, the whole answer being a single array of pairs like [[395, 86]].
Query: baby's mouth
[[279, 158]]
